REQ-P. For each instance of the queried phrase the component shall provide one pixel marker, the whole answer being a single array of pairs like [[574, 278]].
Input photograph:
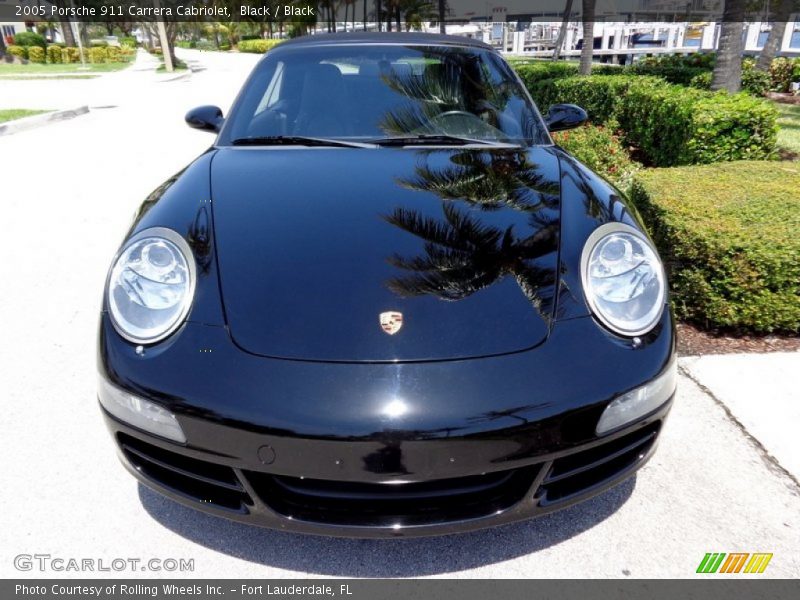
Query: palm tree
[[728, 68], [562, 32], [773, 43], [442, 12], [588, 37], [417, 11]]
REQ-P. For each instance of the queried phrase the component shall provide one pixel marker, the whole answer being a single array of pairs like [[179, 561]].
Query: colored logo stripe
[[734, 562], [713, 562], [710, 562], [758, 563]]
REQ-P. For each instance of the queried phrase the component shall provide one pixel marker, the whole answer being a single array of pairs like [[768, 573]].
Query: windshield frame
[[225, 137]]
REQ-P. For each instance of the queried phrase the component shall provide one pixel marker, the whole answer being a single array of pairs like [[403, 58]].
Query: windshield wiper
[[296, 140], [435, 139]]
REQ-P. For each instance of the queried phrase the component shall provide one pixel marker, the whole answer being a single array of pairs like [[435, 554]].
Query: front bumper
[[311, 447]]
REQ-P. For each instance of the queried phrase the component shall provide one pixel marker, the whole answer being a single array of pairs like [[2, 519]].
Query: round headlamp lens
[[151, 285], [623, 279]]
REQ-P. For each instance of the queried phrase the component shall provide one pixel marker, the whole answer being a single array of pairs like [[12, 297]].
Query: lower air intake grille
[[386, 504], [579, 473], [198, 480]]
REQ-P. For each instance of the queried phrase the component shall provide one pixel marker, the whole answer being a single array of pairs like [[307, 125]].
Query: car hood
[[314, 244]]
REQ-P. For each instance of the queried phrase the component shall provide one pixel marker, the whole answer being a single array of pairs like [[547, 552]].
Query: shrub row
[[784, 71], [602, 150], [257, 46], [30, 38], [532, 72], [669, 124], [728, 237], [693, 70], [56, 54]]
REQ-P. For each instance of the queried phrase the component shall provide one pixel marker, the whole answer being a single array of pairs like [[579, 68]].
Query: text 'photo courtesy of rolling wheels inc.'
[[391, 299]]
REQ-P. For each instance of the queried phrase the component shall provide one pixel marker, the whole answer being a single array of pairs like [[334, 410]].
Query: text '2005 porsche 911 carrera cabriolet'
[[384, 303]]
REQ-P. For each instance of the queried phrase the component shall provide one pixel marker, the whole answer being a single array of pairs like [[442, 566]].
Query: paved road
[[68, 192]]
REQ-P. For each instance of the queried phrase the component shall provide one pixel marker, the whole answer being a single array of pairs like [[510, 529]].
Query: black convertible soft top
[[400, 38]]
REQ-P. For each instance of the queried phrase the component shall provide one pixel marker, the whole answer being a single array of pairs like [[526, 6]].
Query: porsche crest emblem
[[391, 321]]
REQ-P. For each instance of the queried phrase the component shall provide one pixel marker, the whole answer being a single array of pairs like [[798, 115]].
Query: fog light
[[139, 412], [640, 401]]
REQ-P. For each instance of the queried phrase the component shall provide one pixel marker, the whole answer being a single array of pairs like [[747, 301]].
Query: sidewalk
[[761, 393]]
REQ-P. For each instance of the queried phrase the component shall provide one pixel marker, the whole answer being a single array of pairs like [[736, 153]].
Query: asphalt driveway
[[68, 191]]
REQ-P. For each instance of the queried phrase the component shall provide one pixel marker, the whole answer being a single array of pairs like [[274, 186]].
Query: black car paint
[[497, 398]]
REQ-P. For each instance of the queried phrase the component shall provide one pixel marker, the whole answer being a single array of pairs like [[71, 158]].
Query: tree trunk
[[2, 45], [378, 13], [397, 17], [773, 44], [728, 69], [562, 33], [442, 10], [365, 15], [588, 37]]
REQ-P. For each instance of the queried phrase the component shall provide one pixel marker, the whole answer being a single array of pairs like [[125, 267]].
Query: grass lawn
[[789, 123], [39, 69], [17, 113]]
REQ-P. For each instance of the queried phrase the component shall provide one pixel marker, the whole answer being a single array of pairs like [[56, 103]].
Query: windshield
[[373, 92]]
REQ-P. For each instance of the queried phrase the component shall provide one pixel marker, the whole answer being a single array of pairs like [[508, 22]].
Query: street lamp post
[[77, 33]]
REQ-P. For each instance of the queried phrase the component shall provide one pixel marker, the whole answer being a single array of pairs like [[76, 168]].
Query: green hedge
[[98, 54], [728, 237], [55, 54], [36, 54], [30, 39], [669, 124], [257, 46], [602, 150], [598, 95], [18, 51], [784, 71]]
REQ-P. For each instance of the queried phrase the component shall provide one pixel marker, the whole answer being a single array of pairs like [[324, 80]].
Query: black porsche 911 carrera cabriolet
[[384, 303]]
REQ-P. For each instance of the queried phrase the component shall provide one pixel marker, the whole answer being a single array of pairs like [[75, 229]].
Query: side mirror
[[565, 116], [207, 118]]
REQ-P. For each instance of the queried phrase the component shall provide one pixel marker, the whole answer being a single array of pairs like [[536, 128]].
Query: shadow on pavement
[[382, 558]]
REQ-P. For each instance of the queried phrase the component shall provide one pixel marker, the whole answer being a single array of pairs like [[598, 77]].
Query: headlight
[[151, 285], [623, 279], [639, 402], [139, 412]]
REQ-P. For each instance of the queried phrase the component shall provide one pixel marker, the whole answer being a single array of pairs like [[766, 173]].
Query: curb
[[172, 77], [41, 120]]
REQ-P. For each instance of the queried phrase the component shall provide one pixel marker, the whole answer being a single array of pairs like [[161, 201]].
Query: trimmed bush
[[29, 39], [18, 51], [598, 95], [256, 46], [728, 237], [532, 73], [679, 74], [71, 54], [55, 54], [669, 124], [112, 54], [782, 72], [128, 42], [673, 125], [98, 54], [600, 149], [36, 54]]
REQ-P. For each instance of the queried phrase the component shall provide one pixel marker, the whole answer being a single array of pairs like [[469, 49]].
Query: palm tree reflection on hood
[[462, 253], [490, 180]]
